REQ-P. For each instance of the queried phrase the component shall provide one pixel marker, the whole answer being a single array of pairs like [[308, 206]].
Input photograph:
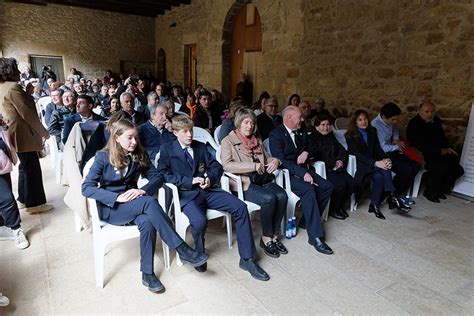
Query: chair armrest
[[352, 165], [238, 180], [320, 168]]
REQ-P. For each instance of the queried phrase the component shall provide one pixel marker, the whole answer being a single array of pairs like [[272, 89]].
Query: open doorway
[[38, 62]]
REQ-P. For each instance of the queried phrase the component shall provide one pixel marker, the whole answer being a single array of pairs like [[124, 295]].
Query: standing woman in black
[[120, 202], [372, 163], [25, 134]]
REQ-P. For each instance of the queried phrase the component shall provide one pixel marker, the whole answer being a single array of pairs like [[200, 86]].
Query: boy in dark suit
[[293, 148], [188, 165]]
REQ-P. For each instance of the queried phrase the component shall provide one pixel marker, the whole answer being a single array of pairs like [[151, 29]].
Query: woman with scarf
[[243, 154]]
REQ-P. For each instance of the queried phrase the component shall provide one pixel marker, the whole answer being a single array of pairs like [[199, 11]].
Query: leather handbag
[[261, 179]]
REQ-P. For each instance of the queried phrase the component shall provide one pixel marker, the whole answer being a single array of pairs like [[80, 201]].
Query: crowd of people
[[139, 117]]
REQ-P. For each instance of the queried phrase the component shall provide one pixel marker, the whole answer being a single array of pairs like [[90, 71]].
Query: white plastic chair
[[200, 134], [56, 158], [341, 123], [417, 183], [104, 233], [182, 221], [216, 134], [43, 102]]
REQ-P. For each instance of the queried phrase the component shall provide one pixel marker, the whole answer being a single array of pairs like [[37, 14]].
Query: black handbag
[[261, 179]]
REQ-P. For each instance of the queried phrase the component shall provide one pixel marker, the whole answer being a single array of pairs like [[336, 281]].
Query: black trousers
[[30, 180], [272, 200], [405, 172], [442, 173], [343, 188], [9, 214]]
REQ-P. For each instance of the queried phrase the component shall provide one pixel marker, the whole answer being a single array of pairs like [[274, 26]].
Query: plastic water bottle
[[293, 227], [288, 233]]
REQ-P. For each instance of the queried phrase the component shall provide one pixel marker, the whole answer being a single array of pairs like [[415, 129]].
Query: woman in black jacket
[[372, 163], [335, 157]]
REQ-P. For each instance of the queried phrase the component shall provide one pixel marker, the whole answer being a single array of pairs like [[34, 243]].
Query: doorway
[[40, 61], [190, 66], [242, 37]]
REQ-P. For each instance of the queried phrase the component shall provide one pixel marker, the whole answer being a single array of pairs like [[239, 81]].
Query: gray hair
[[124, 94], [151, 94], [155, 107], [243, 114]]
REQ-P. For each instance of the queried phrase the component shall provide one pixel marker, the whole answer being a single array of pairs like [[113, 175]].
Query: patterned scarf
[[250, 143]]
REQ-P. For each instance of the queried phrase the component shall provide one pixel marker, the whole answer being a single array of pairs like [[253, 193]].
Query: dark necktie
[[298, 141], [188, 157]]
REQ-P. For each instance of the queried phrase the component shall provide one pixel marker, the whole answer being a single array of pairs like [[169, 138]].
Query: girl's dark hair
[[8, 69], [321, 118], [352, 130], [294, 95]]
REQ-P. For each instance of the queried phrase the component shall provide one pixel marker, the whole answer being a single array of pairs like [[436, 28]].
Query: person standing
[[25, 134]]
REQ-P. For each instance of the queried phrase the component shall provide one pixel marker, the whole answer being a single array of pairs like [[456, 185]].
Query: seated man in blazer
[[188, 165], [156, 131], [293, 149], [269, 119], [84, 107]]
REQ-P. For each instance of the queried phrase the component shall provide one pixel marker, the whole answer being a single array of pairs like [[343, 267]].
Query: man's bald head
[[292, 117]]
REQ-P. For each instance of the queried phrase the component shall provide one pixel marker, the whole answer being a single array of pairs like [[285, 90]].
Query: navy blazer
[[265, 124], [175, 169], [366, 153], [104, 183], [283, 148], [73, 119], [152, 139]]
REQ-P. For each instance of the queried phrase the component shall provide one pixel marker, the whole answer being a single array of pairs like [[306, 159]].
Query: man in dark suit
[[188, 165], [84, 107], [156, 131], [269, 119], [127, 101], [205, 116], [293, 149], [425, 133]]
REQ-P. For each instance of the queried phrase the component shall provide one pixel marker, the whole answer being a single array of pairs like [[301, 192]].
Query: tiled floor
[[417, 264]]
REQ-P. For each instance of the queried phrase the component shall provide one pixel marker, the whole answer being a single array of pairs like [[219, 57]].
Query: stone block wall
[[352, 53], [89, 40]]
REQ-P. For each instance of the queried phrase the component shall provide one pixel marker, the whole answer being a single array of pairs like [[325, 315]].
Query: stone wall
[[353, 53], [89, 40]]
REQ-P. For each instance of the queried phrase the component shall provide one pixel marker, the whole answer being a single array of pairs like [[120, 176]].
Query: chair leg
[[326, 212], [417, 184], [353, 203], [166, 255], [99, 254], [229, 230], [77, 223]]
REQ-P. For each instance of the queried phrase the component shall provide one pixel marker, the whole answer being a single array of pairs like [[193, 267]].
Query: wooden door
[[190, 66]]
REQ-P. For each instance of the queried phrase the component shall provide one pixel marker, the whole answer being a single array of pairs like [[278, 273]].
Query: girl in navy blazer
[[112, 182], [372, 162]]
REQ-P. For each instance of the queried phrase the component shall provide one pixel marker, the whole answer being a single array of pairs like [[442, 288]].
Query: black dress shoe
[[398, 203], [376, 210], [281, 248], [152, 282], [337, 215], [191, 256], [254, 269], [431, 198], [201, 268], [270, 248], [442, 196], [345, 213], [320, 246]]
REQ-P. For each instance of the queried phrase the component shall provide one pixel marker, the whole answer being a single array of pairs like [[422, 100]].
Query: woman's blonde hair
[[117, 153]]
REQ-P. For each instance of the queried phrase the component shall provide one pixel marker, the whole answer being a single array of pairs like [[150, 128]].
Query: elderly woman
[[373, 164], [25, 134], [335, 157], [243, 154]]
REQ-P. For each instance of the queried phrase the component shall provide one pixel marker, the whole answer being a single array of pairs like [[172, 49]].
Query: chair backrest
[[203, 136], [339, 134], [91, 203], [266, 145], [341, 123], [43, 102], [216, 134]]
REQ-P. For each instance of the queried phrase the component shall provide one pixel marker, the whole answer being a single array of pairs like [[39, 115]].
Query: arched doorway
[[242, 37], [161, 65]]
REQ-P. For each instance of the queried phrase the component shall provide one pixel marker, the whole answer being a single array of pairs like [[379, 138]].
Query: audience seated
[[404, 168], [190, 107], [260, 103], [127, 102], [425, 132], [294, 100], [335, 158], [188, 165], [56, 103], [243, 154], [56, 124], [205, 117], [156, 131], [306, 126], [84, 106], [373, 164], [269, 119], [292, 148], [161, 92], [320, 109]]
